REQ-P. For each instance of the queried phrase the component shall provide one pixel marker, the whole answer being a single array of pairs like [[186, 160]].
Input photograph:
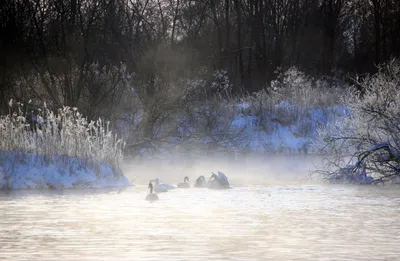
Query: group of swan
[[219, 181], [216, 181]]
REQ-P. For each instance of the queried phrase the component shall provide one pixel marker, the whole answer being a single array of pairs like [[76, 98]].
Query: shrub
[[295, 87], [297, 101], [368, 140]]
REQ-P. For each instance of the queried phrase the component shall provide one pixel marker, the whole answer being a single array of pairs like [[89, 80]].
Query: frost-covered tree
[[365, 146]]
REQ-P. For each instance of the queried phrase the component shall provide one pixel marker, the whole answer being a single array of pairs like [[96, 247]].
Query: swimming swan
[[219, 181], [151, 196], [200, 182], [159, 188], [164, 186], [184, 184]]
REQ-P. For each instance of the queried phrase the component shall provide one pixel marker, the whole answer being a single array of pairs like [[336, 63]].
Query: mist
[[250, 169]]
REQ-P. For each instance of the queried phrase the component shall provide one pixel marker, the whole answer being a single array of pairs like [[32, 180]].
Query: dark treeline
[[76, 52]]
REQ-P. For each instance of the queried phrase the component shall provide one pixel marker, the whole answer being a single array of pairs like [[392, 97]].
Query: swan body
[[219, 181], [185, 183], [200, 182], [166, 186], [151, 196], [160, 189]]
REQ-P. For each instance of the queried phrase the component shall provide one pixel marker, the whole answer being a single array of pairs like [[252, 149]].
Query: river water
[[285, 222]]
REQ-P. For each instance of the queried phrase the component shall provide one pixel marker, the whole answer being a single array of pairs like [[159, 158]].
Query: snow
[[28, 171], [347, 175], [243, 106], [282, 132], [395, 180]]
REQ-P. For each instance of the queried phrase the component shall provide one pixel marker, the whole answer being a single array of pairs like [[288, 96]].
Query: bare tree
[[365, 147]]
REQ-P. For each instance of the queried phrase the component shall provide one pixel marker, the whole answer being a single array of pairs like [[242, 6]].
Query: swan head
[[200, 181], [186, 179]]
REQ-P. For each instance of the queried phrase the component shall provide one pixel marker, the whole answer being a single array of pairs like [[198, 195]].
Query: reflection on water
[[244, 223]]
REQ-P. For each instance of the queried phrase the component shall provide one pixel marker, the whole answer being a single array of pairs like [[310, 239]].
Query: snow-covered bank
[[40, 148], [285, 129], [288, 129], [29, 171]]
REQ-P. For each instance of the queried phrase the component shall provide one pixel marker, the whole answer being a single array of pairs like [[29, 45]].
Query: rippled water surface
[[243, 223]]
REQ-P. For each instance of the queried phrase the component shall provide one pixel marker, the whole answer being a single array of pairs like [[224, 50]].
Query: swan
[[219, 181], [151, 196], [163, 187], [159, 188], [200, 182], [184, 184]]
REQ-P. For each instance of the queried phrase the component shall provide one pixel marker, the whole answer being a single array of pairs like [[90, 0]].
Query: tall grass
[[60, 136]]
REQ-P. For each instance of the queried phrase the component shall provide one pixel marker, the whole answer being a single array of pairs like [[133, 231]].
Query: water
[[244, 223]]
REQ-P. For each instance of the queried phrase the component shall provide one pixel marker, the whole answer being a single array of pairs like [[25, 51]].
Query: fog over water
[[252, 169]]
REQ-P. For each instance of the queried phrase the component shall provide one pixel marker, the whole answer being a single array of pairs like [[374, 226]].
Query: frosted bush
[[293, 100], [295, 87], [369, 139], [220, 83], [58, 134]]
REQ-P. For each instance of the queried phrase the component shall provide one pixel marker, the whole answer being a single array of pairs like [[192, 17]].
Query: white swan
[[184, 184], [151, 196], [200, 182], [162, 187], [157, 188], [219, 181]]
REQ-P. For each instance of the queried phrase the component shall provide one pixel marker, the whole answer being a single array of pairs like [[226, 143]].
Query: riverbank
[[57, 150], [29, 171]]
